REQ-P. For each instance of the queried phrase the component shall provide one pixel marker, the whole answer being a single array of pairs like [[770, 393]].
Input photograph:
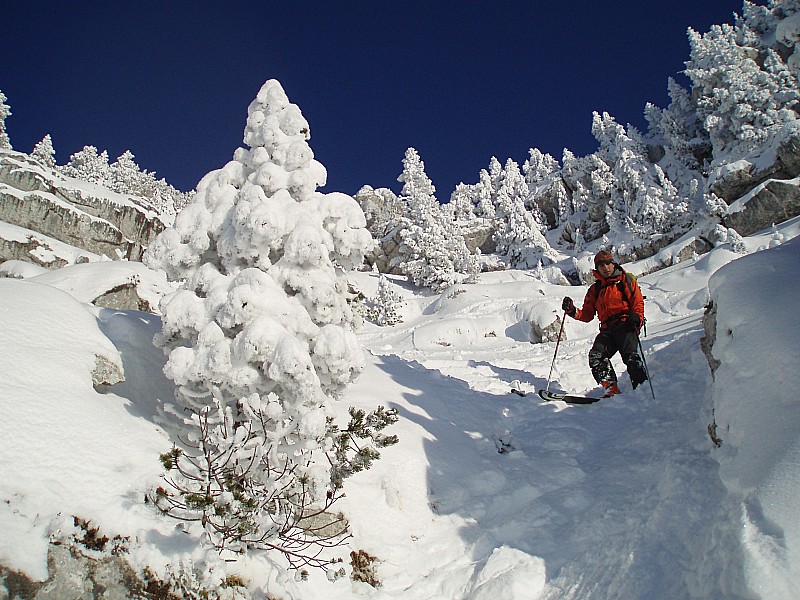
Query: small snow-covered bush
[[382, 308]]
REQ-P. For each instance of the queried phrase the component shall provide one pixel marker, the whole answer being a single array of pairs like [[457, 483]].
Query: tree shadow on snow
[[146, 387], [475, 468]]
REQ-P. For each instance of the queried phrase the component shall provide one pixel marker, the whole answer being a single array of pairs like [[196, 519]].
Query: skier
[[617, 300]]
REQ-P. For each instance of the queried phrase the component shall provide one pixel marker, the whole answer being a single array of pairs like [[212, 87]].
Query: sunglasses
[[600, 263]]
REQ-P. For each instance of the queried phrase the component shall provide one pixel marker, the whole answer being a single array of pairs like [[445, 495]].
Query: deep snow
[[487, 495]]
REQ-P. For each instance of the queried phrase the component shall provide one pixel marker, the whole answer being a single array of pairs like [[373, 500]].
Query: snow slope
[[487, 495]]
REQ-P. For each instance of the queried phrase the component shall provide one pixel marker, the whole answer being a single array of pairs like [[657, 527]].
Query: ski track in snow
[[599, 492]]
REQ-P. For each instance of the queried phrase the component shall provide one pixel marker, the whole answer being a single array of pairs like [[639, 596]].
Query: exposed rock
[[480, 236], [106, 373], [44, 213], [324, 524], [707, 341], [733, 181], [124, 297], [72, 575], [548, 333], [774, 202], [736, 180], [381, 207], [28, 251], [75, 213]]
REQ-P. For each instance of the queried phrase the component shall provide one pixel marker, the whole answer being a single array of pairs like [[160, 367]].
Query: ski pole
[[558, 341], [646, 370]]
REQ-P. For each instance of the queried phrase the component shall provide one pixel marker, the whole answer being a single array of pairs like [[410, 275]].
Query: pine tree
[[483, 197], [461, 204], [5, 112], [643, 200], [742, 103], [88, 165], [383, 308], [44, 152], [126, 177], [432, 253], [260, 341], [679, 129], [519, 237]]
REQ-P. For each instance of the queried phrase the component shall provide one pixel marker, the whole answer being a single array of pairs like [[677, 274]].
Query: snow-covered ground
[[487, 494]]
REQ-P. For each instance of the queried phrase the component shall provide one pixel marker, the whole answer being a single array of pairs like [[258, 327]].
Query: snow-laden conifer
[[126, 177], [260, 339], [520, 234], [744, 95], [643, 200], [5, 112], [432, 253], [679, 130], [461, 206], [382, 309], [88, 165], [44, 152], [483, 197]]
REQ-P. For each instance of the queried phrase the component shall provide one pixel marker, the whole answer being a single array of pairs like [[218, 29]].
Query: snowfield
[[488, 495]]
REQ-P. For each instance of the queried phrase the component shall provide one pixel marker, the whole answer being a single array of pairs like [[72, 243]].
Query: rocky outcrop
[[106, 373], [733, 181], [547, 333], [124, 297], [710, 336], [480, 236], [78, 214], [773, 202]]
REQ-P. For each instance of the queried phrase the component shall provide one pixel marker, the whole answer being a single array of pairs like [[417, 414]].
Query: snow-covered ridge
[[83, 215]]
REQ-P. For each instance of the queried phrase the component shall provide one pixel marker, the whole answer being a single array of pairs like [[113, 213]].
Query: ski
[[568, 398], [564, 397]]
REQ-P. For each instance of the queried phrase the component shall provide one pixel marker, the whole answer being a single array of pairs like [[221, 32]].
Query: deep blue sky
[[459, 81]]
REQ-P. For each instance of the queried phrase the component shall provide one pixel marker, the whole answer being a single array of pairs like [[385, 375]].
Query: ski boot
[[611, 388]]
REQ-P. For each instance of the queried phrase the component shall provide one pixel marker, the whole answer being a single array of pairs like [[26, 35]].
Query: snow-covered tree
[[382, 309], [461, 205], [483, 197], [736, 241], [432, 253], [126, 177], [744, 95], [44, 152], [495, 172], [520, 233], [644, 201], [5, 111], [539, 168], [679, 130], [260, 340], [547, 192], [88, 165]]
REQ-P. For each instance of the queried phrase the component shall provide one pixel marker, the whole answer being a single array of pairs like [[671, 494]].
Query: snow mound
[[757, 408], [85, 456]]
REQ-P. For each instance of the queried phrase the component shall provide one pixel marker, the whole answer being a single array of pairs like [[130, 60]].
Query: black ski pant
[[621, 338]]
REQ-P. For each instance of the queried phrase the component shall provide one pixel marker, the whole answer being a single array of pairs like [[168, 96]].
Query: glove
[[568, 306], [636, 321]]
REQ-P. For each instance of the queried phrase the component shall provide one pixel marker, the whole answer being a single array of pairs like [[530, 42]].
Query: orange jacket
[[612, 299]]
